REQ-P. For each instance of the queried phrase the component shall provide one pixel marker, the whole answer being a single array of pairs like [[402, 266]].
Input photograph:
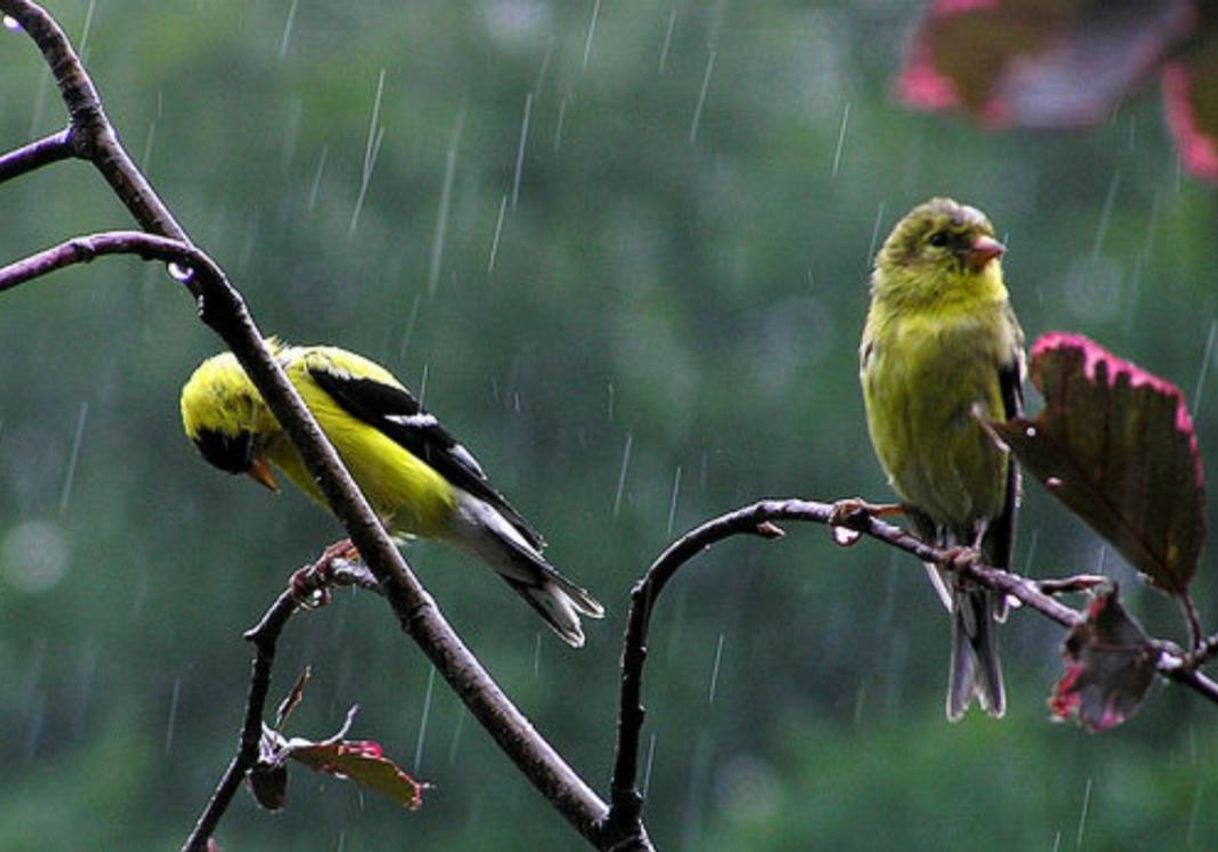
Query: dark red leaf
[[1039, 63], [1190, 99], [1110, 665], [363, 762], [1117, 446]]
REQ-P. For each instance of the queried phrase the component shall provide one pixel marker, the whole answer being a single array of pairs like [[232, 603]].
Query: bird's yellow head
[[940, 252], [226, 419]]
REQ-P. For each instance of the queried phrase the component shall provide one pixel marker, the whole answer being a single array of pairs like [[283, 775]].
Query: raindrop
[[596, 11], [83, 50], [558, 124], [457, 729], [844, 536], [376, 134], [1082, 817], [672, 23], [490, 264], [146, 157], [1053, 483], [714, 681], [875, 230], [1205, 366], [841, 139], [524, 138], [321, 165], [672, 504], [287, 30], [611, 400], [706, 78], [437, 241], [409, 333], [537, 658], [423, 385], [173, 714], [651, 757], [10, 23], [418, 751], [621, 479], [66, 494], [1030, 432], [181, 273], [1105, 215]]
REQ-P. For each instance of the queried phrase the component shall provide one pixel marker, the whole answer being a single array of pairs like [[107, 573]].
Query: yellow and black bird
[[942, 351], [417, 478]]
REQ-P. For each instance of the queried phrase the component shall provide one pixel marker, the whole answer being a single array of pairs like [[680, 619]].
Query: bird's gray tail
[[975, 669], [480, 530]]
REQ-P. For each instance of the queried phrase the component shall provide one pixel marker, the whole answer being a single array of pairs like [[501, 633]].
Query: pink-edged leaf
[[1190, 99], [1110, 665], [361, 761], [364, 762], [1116, 444], [1039, 63]]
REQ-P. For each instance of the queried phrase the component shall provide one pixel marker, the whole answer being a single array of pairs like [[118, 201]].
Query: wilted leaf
[[363, 762], [1117, 446], [1190, 99], [269, 784], [1110, 665], [1067, 63]]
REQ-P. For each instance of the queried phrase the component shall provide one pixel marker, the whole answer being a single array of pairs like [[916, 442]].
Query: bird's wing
[[1000, 533], [396, 413]]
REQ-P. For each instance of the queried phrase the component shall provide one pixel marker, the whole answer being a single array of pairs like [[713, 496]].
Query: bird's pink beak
[[260, 472], [982, 251]]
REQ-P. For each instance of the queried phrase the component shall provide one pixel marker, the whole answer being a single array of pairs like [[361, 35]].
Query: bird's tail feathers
[[480, 530], [975, 669]]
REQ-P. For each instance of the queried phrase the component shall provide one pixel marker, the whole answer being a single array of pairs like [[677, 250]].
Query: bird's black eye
[[938, 239], [231, 453]]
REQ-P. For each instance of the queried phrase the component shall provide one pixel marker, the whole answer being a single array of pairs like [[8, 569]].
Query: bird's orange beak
[[260, 472], [982, 251]]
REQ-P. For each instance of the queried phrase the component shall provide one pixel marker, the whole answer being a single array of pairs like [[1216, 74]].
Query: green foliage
[[701, 298]]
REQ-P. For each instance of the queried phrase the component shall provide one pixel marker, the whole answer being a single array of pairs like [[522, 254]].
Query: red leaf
[[1190, 99], [1117, 446], [1110, 665], [363, 762], [1069, 63], [1039, 63]]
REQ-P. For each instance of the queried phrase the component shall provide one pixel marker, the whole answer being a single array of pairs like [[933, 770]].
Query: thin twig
[[35, 155], [624, 820], [265, 636], [85, 249]]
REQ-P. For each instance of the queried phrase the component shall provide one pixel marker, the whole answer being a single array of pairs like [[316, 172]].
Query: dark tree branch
[[223, 309], [625, 815], [85, 249], [50, 149]]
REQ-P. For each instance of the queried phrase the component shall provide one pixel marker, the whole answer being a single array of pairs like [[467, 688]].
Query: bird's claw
[[848, 517], [310, 585], [958, 558]]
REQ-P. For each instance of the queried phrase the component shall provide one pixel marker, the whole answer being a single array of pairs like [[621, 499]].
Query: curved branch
[[625, 816], [85, 249], [91, 134]]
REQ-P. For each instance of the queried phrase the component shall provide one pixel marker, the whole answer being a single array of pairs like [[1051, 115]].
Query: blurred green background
[[622, 251]]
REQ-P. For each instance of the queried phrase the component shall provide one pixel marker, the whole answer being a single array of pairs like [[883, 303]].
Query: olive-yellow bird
[[417, 478], [942, 351]]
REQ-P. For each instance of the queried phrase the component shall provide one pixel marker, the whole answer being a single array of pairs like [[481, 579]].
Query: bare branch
[[50, 149], [85, 249], [223, 309], [625, 816]]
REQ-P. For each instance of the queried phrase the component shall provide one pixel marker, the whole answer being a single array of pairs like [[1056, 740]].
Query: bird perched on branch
[[417, 478], [942, 352]]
